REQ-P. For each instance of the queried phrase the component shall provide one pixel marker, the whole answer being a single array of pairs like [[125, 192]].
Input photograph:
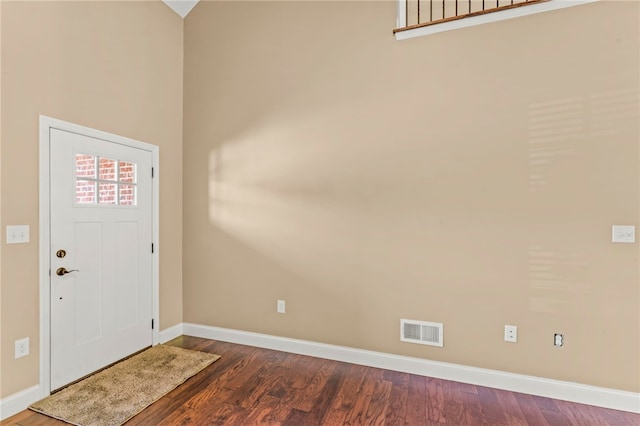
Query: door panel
[[84, 290], [101, 215], [125, 280]]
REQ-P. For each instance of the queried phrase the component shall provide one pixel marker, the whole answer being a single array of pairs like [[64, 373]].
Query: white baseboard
[[568, 391], [170, 333], [19, 401]]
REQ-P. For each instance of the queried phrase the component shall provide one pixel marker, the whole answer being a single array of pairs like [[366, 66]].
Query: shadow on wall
[[288, 188], [375, 207]]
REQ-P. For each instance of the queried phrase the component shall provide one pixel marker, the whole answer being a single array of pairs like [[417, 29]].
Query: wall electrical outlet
[[22, 347], [281, 307], [510, 333], [558, 340]]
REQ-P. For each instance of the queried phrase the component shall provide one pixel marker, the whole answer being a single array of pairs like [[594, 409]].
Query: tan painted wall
[[470, 177], [113, 66]]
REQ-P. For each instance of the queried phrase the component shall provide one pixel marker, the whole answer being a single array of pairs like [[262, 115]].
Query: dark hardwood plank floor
[[250, 386]]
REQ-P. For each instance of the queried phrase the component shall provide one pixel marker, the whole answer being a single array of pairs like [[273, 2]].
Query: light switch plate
[[17, 234], [623, 234]]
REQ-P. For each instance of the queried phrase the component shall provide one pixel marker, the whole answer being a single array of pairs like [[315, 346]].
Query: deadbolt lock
[[61, 254]]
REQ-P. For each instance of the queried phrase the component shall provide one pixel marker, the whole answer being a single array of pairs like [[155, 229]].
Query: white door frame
[[46, 123]]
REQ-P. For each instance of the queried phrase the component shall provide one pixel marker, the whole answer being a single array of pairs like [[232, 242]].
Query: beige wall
[[113, 66], [470, 177]]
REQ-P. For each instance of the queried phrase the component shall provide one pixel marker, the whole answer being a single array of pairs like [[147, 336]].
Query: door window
[[105, 181]]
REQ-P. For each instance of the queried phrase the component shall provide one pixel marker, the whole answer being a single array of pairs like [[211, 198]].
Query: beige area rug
[[115, 394]]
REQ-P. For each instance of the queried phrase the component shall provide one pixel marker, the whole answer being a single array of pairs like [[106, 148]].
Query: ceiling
[[181, 7]]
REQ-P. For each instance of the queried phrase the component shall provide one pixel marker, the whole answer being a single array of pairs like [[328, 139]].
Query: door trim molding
[[47, 123]]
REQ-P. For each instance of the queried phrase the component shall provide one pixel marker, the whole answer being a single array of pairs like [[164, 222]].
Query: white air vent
[[422, 332]]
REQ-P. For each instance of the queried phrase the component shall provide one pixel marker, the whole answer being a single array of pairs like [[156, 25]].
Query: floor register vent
[[422, 332]]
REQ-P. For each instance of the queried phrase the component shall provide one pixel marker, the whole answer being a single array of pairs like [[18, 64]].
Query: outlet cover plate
[[510, 333], [281, 307], [22, 347]]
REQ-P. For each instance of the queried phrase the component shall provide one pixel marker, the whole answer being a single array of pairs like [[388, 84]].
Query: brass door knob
[[63, 271]]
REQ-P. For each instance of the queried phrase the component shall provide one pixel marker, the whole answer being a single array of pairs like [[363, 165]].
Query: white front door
[[100, 253]]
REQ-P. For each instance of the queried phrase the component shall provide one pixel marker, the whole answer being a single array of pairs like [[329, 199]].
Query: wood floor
[[256, 386]]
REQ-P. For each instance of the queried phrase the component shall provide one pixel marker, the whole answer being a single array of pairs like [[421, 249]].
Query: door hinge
[[152, 323], [152, 248], [152, 172]]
